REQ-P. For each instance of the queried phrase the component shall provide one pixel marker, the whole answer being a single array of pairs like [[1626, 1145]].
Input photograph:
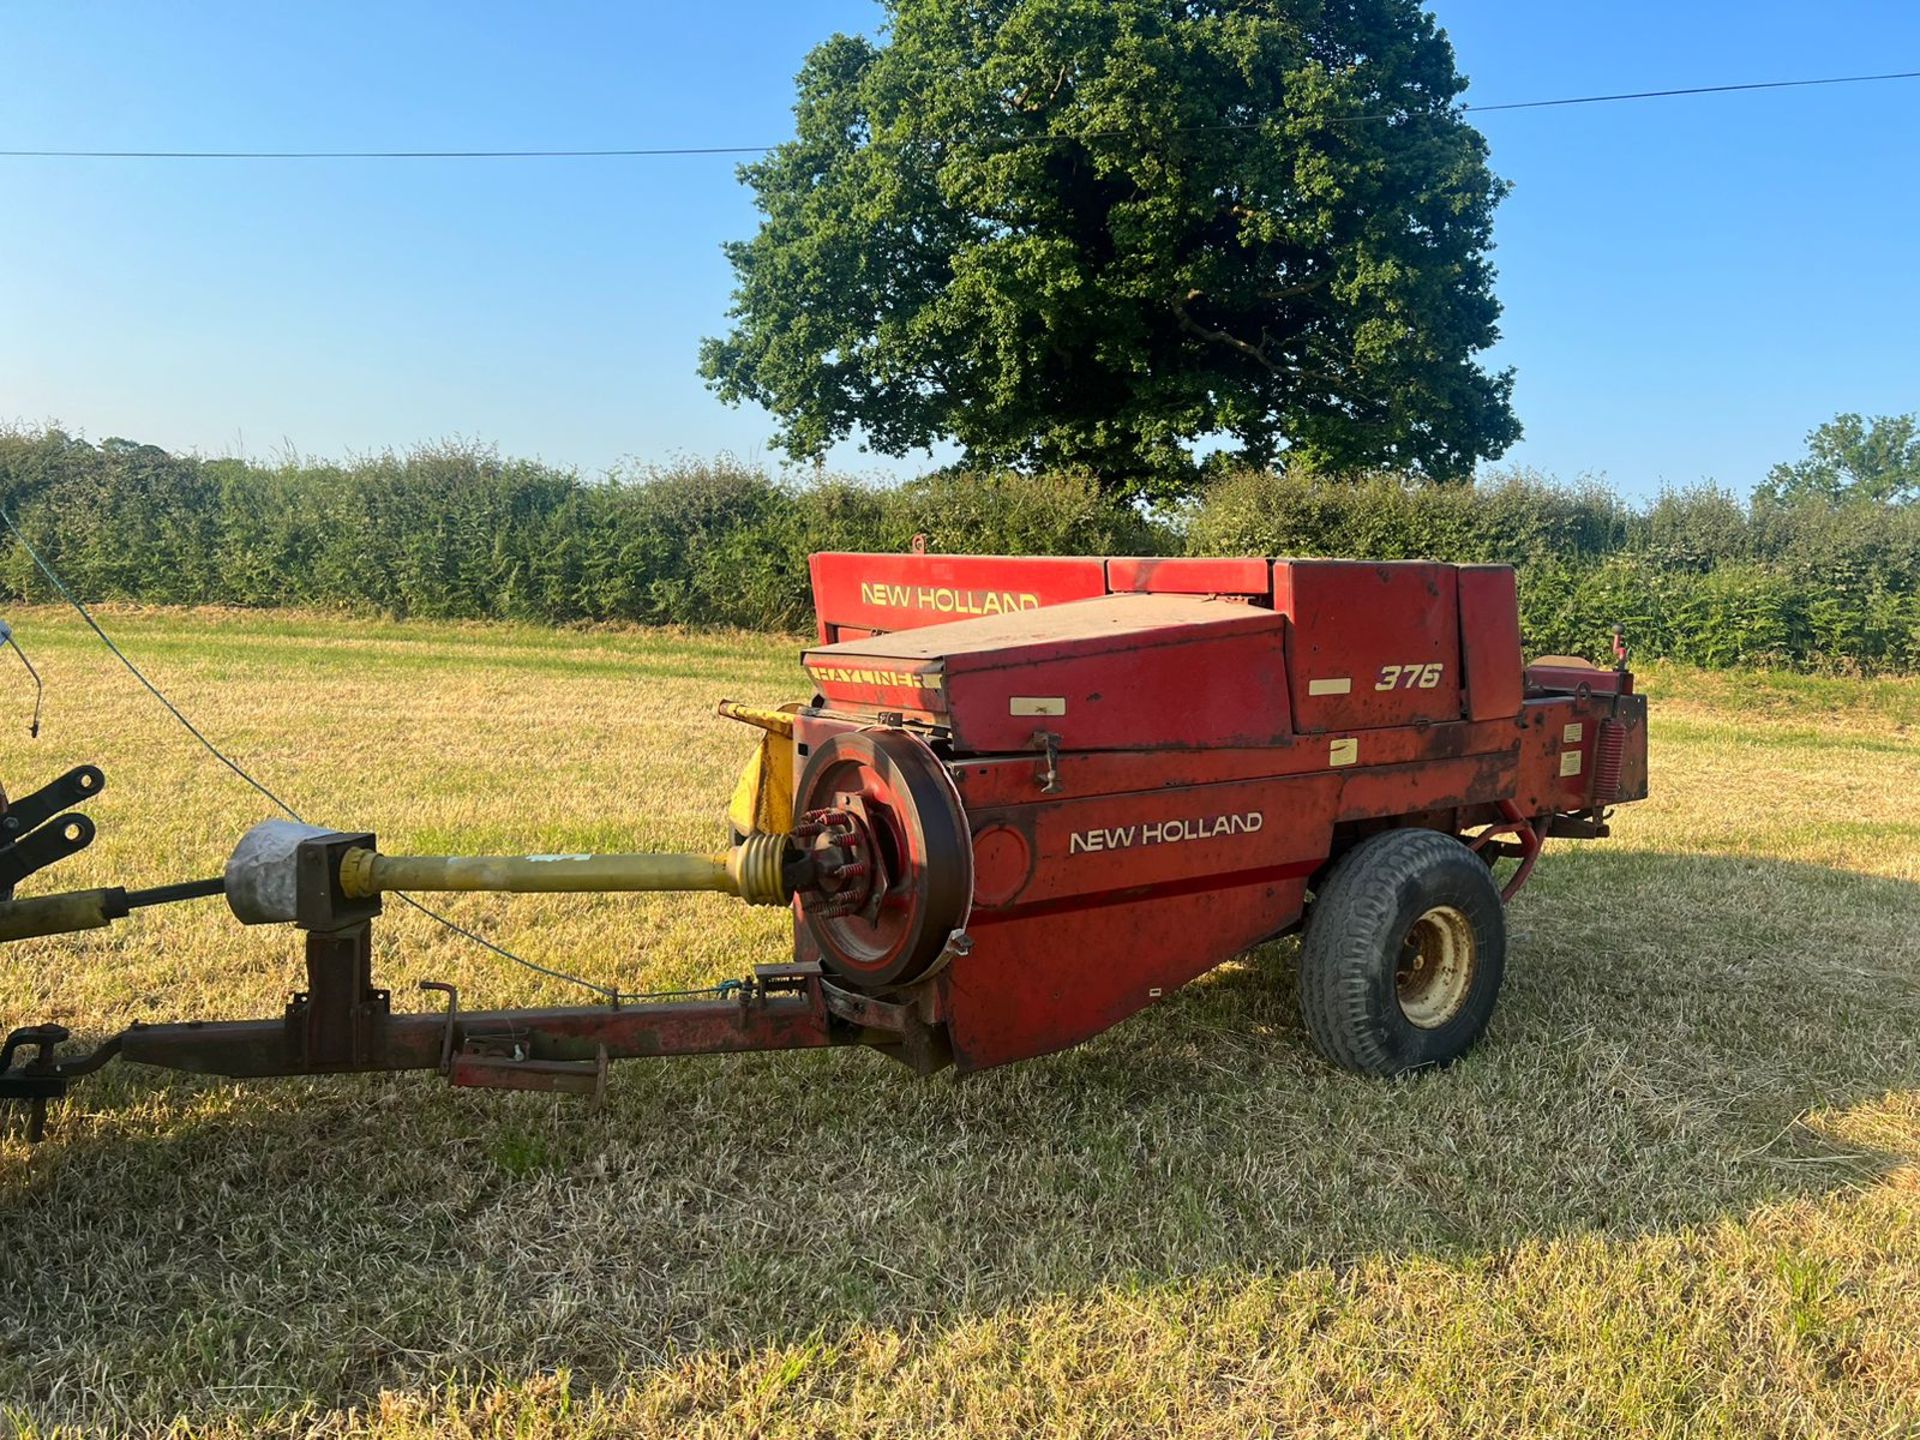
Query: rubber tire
[[1360, 919]]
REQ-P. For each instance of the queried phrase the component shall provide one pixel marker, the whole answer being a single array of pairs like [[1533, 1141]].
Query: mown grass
[[1674, 1192]]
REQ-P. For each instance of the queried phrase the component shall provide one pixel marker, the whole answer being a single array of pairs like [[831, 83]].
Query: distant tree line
[[1818, 570]]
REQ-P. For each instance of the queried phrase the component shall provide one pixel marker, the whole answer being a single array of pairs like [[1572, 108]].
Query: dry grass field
[[1675, 1191]]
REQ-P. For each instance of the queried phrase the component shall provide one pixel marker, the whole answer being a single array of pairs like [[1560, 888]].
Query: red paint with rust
[[1188, 575], [1097, 673], [1369, 645], [1490, 663]]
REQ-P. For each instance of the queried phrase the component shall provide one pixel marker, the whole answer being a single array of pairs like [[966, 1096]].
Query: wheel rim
[[1436, 967]]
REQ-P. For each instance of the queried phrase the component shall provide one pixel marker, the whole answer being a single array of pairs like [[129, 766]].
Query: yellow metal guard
[[763, 796]]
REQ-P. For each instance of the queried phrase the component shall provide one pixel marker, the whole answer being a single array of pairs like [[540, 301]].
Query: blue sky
[[1690, 284]]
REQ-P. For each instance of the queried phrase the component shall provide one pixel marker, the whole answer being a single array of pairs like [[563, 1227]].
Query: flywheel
[[881, 812]]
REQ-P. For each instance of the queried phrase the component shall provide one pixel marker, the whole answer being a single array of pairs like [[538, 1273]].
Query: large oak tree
[[1094, 232]]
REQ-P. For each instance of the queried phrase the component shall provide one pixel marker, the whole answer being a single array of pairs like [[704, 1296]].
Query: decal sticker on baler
[[860, 675], [1410, 677], [1164, 832], [945, 599]]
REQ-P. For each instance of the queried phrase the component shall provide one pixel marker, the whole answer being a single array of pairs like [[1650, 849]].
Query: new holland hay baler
[[1028, 798]]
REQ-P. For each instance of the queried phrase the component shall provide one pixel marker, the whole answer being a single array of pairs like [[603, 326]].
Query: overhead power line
[[656, 151], [1693, 90]]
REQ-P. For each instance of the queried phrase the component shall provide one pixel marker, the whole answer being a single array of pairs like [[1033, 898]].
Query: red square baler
[[1153, 765]]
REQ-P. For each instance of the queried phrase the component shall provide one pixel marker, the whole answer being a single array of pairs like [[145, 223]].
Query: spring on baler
[[1609, 746]]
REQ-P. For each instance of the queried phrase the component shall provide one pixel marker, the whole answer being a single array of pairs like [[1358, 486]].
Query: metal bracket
[[339, 1021], [453, 1011], [36, 1082], [923, 1048], [29, 812], [482, 1065], [28, 842], [68, 835], [1049, 775], [789, 977]]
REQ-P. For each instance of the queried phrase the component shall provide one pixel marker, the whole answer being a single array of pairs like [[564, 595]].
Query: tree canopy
[[1851, 458], [1095, 232]]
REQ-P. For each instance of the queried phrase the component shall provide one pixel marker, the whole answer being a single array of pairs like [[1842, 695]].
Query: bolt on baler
[[1027, 799]]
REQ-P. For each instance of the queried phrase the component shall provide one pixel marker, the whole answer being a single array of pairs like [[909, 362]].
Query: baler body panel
[[1061, 976], [1491, 666], [1369, 645], [1089, 908], [1118, 672], [1249, 579], [1562, 742], [1434, 789], [1007, 779], [1093, 849]]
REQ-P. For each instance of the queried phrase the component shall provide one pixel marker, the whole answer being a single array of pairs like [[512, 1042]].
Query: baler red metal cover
[[1369, 645], [1095, 674], [1248, 577]]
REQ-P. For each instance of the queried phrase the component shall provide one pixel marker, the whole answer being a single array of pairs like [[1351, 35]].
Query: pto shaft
[[91, 909], [751, 870]]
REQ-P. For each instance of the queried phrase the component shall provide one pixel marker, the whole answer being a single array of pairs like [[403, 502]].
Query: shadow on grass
[[1681, 1041]]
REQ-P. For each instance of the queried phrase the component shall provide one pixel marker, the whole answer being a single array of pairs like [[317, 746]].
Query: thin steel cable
[[637, 153], [1693, 90], [659, 151], [608, 992], [154, 690], [7, 638]]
